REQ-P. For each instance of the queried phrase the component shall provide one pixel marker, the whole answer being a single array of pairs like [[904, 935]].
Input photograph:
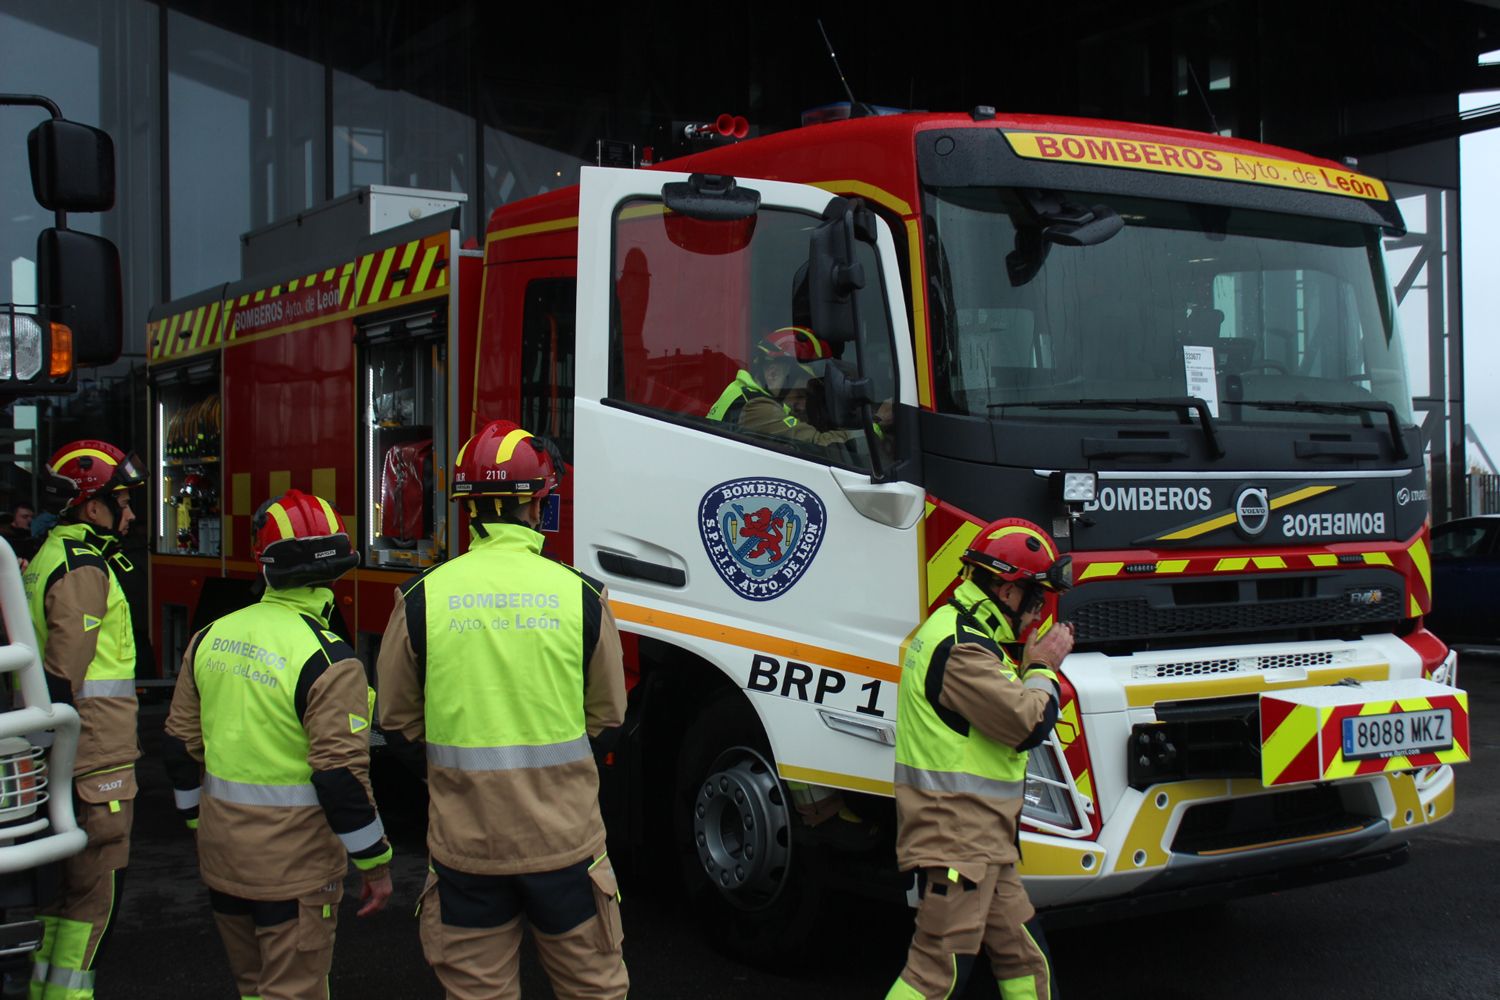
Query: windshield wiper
[[1184, 405], [1320, 406]]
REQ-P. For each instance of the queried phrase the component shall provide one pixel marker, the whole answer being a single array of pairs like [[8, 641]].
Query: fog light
[[1080, 487]]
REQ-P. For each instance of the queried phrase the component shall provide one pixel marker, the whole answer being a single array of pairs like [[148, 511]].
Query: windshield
[[1279, 308]]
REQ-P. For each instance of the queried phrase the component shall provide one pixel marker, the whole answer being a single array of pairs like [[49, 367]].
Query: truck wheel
[[751, 881]]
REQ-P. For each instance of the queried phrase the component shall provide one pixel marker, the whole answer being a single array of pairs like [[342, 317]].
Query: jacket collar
[[82, 531], [506, 537], [975, 603], [314, 601], [748, 384]]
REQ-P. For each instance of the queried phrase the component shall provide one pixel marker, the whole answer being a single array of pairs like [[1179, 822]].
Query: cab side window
[[710, 327], [547, 360]]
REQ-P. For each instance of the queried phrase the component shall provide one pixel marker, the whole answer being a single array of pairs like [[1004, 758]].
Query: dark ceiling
[[1336, 77]]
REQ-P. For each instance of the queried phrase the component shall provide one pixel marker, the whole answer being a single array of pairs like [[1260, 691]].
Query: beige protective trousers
[[472, 925], [75, 925], [279, 950], [964, 910]]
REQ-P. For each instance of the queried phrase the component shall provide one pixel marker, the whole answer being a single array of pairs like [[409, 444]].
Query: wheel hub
[[742, 829]]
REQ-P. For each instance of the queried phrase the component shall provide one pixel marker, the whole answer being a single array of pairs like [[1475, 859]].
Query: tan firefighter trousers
[[471, 928], [963, 910], [280, 950]]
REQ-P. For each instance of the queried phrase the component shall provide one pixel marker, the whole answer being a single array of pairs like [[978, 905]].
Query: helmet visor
[[128, 474], [1059, 575]]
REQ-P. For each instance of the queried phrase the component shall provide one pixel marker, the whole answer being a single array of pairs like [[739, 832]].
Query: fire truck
[[1177, 352]]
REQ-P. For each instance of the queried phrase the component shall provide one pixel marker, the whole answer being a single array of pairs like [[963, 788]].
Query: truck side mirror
[[833, 274], [845, 396], [72, 166], [78, 284]]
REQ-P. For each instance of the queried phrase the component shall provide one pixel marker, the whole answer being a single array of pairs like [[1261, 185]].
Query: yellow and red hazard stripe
[[1410, 558], [1302, 743], [375, 280]]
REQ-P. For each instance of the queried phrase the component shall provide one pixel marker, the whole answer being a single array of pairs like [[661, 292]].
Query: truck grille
[[1135, 617], [1238, 664]]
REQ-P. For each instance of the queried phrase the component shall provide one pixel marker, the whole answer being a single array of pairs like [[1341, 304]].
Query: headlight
[[20, 346], [1047, 798]]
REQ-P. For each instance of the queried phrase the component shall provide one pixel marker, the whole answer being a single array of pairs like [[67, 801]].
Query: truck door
[[729, 513]]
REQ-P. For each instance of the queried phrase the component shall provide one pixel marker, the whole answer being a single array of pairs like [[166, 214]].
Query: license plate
[[1398, 734]]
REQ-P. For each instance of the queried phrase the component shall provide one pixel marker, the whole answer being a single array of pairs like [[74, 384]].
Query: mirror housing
[[844, 397], [833, 273], [711, 198], [72, 166], [78, 284]]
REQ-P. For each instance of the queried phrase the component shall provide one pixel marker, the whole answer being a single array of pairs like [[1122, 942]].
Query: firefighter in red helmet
[[969, 715], [503, 664], [770, 399], [87, 644], [267, 746]]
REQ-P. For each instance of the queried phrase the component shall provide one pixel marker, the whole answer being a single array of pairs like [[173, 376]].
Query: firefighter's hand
[[376, 891], [1049, 649]]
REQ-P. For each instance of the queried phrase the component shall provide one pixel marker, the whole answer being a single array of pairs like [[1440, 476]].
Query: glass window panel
[[518, 168], [392, 137], [246, 119], [711, 325], [98, 62]]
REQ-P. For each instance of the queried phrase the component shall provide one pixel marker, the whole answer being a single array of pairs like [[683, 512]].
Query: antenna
[[856, 109], [1212, 121]]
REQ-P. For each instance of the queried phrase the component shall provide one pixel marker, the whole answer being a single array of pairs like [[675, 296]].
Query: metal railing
[[24, 773], [1484, 493]]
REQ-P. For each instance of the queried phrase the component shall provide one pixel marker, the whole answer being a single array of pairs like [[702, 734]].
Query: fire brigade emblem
[[761, 534]]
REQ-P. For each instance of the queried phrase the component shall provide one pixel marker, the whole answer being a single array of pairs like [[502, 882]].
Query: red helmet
[[503, 460], [797, 344], [1015, 549], [196, 493], [81, 470], [301, 540]]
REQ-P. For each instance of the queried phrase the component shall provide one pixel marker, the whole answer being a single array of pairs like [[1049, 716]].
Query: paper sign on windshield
[[1199, 362]]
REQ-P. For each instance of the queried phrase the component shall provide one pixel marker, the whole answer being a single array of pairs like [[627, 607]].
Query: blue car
[[1466, 580]]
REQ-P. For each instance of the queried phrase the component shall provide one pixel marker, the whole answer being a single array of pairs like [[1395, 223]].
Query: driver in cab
[[772, 399]]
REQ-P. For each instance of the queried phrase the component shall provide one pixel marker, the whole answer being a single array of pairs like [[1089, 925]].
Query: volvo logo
[[1405, 496], [1252, 510]]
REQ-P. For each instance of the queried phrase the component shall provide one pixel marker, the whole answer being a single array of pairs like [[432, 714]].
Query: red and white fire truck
[[1178, 352]]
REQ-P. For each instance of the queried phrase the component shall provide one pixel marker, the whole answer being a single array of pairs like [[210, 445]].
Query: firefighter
[[87, 645], [267, 746], [968, 716], [771, 400], [504, 663]]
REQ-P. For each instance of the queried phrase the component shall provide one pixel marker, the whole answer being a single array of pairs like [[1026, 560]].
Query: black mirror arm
[[866, 413], [50, 106]]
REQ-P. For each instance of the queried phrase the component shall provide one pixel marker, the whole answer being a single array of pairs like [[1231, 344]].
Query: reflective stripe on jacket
[[504, 663], [277, 709]]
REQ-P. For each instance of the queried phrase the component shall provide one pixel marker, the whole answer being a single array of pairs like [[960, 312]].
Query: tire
[[752, 882]]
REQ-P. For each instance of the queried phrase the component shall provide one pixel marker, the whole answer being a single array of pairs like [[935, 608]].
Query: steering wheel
[[1276, 366]]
